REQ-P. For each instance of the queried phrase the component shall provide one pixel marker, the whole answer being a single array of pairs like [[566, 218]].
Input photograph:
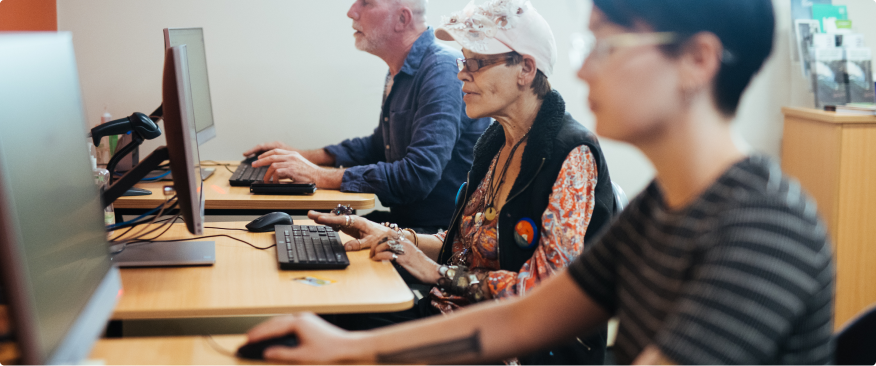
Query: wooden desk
[[246, 281], [188, 350], [834, 158], [221, 198]]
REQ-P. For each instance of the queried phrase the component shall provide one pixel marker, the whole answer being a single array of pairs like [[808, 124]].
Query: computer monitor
[[55, 264], [182, 145], [182, 153], [193, 38]]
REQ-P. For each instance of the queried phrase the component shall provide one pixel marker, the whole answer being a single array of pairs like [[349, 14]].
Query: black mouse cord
[[218, 348], [215, 163], [208, 236], [223, 228]]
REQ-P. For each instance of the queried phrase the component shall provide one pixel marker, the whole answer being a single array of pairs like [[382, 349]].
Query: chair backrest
[[620, 198], [856, 343]]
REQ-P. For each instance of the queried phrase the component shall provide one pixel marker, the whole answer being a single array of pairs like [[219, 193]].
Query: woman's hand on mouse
[[365, 233], [318, 341]]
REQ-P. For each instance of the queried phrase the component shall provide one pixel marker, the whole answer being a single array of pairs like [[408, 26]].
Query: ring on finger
[[360, 244], [394, 258], [395, 247], [346, 221]]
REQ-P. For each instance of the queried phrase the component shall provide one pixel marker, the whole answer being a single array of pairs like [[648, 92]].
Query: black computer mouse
[[267, 222], [256, 351]]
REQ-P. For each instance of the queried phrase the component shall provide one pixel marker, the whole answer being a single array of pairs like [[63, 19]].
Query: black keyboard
[[309, 247], [245, 174]]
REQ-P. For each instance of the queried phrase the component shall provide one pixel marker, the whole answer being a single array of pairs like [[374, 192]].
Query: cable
[[138, 234], [157, 177], [218, 348], [223, 228], [215, 163], [125, 224], [205, 237], [166, 226]]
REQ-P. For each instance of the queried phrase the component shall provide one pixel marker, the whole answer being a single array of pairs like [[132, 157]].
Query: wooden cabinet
[[834, 158]]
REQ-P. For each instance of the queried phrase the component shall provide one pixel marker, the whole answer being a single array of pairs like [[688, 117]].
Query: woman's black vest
[[553, 136]]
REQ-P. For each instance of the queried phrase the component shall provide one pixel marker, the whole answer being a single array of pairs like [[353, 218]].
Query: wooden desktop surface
[[219, 194], [183, 350], [246, 281]]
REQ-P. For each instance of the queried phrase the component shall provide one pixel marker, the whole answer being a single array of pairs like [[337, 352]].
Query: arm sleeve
[[750, 292], [435, 129], [358, 151], [564, 224]]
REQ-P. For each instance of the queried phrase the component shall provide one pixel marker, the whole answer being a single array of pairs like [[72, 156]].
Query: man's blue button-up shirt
[[421, 150]]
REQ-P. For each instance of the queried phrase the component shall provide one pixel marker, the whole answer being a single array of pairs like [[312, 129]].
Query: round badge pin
[[526, 233]]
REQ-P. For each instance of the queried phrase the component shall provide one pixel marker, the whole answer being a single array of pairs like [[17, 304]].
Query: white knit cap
[[502, 26]]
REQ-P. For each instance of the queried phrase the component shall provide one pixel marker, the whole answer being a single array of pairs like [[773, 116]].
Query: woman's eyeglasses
[[475, 64], [587, 47]]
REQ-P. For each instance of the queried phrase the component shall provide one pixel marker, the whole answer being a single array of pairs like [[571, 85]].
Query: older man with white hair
[[421, 150]]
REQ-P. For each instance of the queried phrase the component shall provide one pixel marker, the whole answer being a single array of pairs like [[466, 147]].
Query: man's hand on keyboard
[[316, 156], [268, 146], [285, 164]]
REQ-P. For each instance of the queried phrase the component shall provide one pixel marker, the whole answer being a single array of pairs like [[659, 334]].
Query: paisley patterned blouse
[[561, 238]]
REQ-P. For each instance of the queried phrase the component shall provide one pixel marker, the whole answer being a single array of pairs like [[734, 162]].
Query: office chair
[[856, 343], [620, 198]]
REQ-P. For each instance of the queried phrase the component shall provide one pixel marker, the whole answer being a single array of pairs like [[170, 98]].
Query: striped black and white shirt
[[744, 274]]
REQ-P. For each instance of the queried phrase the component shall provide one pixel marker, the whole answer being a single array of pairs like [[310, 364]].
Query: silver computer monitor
[[193, 38], [54, 257]]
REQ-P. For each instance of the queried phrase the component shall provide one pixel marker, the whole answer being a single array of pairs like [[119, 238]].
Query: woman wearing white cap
[[539, 186], [720, 260]]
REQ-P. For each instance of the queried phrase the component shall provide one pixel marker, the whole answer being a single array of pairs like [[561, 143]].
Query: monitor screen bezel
[[208, 133]]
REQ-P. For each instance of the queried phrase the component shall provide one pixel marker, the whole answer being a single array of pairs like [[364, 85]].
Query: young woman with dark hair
[[720, 260]]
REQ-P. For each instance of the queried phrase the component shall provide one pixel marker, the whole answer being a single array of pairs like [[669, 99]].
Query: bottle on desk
[[101, 179], [103, 152]]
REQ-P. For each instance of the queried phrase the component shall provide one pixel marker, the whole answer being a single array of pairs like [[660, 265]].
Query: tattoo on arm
[[436, 352]]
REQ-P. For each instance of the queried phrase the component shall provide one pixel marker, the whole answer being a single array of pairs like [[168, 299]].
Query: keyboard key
[[320, 253], [302, 254], [329, 253], [311, 252]]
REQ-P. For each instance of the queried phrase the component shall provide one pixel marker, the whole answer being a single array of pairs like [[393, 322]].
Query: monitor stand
[[167, 254]]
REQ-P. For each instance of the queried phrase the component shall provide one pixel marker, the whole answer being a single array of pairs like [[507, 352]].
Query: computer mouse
[[267, 222], [256, 351]]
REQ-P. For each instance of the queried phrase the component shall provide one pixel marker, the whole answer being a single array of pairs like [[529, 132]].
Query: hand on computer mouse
[[365, 233], [265, 147], [319, 342]]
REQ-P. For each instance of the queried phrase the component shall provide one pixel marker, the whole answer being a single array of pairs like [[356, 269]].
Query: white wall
[[287, 70]]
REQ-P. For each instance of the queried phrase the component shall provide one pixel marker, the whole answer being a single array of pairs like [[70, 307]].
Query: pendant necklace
[[490, 213]]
